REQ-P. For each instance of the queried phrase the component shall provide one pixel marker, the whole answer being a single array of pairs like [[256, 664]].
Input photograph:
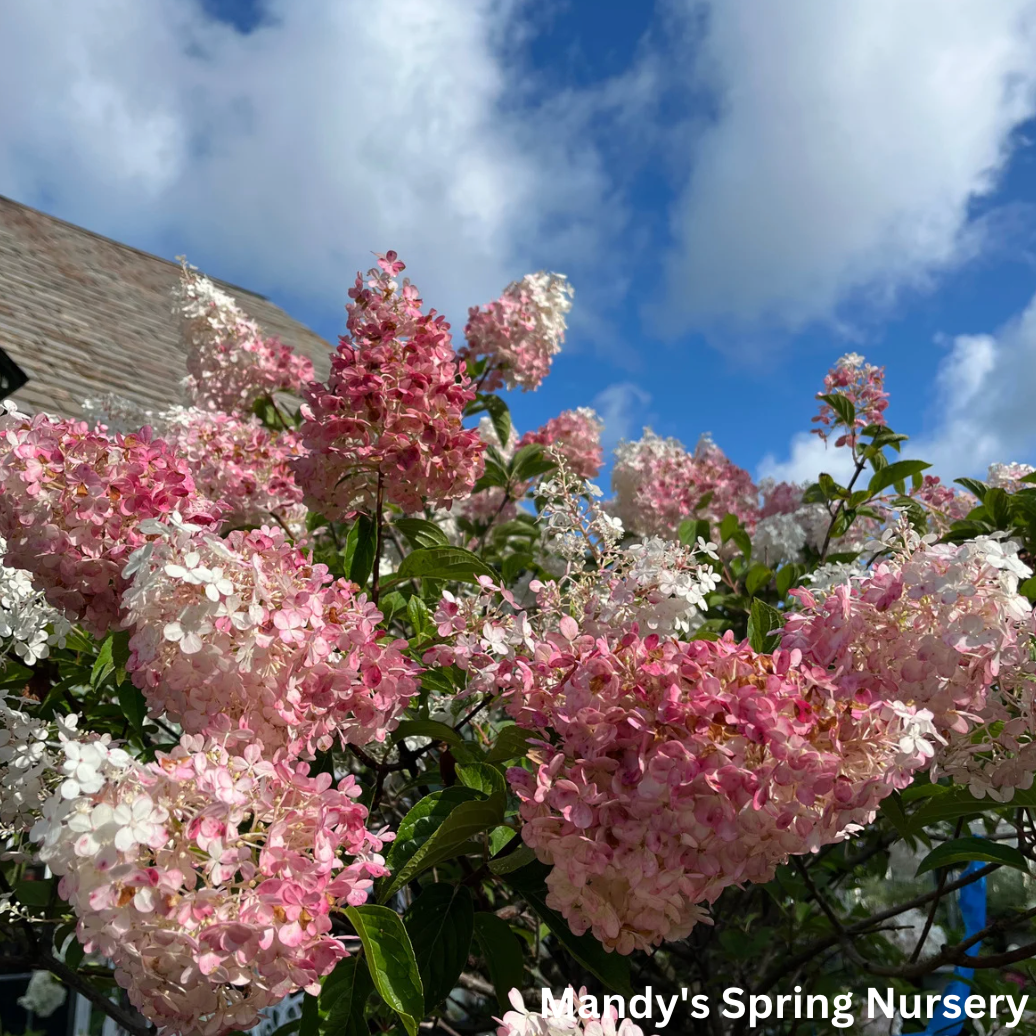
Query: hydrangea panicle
[[72, 502], [520, 333], [577, 435], [387, 426], [863, 385], [230, 364]]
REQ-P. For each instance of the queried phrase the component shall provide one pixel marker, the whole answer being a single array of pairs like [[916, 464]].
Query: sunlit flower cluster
[[944, 504], [520, 333], [246, 631], [72, 502], [863, 385], [386, 428], [230, 364], [670, 770], [208, 877], [240, 464], [941, 627], [658, 484], [577, 436]]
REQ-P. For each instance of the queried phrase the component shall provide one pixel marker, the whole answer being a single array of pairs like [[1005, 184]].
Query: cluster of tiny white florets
[[29, 626]]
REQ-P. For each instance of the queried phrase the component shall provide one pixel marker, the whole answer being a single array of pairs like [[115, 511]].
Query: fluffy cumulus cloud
[[849, 142], [283, 155], [982, 410], [807, 457]]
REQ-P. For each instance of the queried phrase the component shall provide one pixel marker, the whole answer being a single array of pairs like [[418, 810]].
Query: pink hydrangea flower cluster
[[229, 363], [72, 502], [208, 878], [387, 425], [240, 464], [577, 435], [944, 504], [247, 631], [657, 484], [520, 333], [863, 385], [671, 770], [941, 627]]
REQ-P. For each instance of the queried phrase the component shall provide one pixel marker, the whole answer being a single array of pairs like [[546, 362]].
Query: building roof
[[83, 315]]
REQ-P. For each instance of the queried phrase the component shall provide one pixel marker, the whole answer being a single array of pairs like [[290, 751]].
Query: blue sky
[[739, 192]]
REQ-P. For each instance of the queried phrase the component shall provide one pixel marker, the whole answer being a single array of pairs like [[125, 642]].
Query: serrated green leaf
[[436, 829], [529, 462], [482, 777], [343, 997], [104, 664], [440, 923], [358, 552], [764, 625], [391, 961], [427, 728], [520, 857], [420, 532], [969, 850], [444, 563], [133, 704], [959, 802], [691, 528], [502, 953]]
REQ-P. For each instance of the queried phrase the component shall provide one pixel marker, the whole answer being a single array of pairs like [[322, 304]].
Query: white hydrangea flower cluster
[[1008, 476], [575, 528], [36, 758], [28, 623], [661, 586]]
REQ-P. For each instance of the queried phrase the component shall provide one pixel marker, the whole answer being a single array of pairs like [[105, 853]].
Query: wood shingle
[[83, 315]]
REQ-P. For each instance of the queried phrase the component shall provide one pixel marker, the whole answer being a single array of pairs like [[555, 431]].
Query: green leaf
[[519, 857], [33, 893], [133, 704], [417, 613], [786, 577], [764, 625], [974, 487], [427, 728], [444, 563], [758, 577], [502, 953], [343, 997], [611, 968], [482, 777], [892, 808], [436, 829], [843, 408], [511, 743], [951, 803], [998, 504], [530, 461], [440, 923], [104, 664], [358, 552], [728, 526], [391, 604], [420, 532], [691, 528], [968, 850], [391, 960], [500, 415], [889, 476]]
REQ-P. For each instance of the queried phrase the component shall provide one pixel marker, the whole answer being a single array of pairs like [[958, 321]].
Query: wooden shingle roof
[[83, 315]]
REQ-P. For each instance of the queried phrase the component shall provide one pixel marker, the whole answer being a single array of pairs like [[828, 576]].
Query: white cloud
[[851, 138], [983, 409], [282, 157], [621, 407], [809, 456]]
